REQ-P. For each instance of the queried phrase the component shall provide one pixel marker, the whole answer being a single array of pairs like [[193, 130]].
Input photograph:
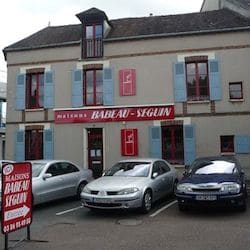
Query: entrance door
[[172, 144], [95, 151]]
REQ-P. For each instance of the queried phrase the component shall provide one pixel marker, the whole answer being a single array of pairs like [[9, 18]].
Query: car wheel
[[79, 189], [243, 205], [147, 201]]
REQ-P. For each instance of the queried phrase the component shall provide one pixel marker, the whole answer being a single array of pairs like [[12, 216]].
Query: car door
[[70, 178], [50, 188], [167, 178], [158, 180]]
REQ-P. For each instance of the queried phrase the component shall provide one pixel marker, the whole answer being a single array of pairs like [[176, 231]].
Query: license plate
[[102, 200], [206, 197]]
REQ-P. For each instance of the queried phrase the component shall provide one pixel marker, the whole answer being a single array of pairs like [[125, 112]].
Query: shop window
[[235, 90], [197, 79], [93, 41], [127, 82], [34, 90], [93, 86], [129, 142], [227, 144]]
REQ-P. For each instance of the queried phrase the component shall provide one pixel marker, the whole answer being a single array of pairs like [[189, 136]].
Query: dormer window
[[93, 41], [95, 25]]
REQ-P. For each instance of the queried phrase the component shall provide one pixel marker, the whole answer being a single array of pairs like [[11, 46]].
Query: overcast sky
[[21, 18]]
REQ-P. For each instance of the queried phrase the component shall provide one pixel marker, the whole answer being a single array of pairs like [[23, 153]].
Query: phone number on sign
[[16, 225]]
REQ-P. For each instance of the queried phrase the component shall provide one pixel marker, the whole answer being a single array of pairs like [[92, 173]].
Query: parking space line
[[69, 210], [163, 208]]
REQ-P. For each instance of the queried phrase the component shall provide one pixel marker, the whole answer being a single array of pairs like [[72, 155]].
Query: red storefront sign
[[115, 114], [16, 196], [129, 142]]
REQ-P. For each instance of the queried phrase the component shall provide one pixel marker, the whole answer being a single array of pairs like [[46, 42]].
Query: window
[[197, 79], [33, 144], [93, 41], [68, 168], [34, 90], [227, 144], [93, 81], [235, 90]]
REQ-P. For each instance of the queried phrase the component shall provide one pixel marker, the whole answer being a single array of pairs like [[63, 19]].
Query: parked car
[[213, 181], [133, 183], [56, 179]]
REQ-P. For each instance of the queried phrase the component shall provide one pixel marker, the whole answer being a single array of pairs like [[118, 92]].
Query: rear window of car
[[214, 167], [134, 169]]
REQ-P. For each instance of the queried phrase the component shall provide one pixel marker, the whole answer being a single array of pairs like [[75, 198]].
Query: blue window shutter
[[77, 88], [242, 144], [19, 145], [20, 91], [48, 144], [180, 88], [49, 91], [108, 87], [189, 144], [214, 80], [155, 142]]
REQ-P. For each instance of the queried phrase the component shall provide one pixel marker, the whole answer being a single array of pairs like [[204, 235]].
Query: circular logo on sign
[[8, 169]]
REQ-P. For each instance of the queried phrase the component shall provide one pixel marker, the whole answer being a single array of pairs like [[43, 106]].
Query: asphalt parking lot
[[67, 225]]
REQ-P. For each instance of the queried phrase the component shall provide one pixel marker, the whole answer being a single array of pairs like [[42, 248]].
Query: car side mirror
[[47, 175], [155, 174], [185, 173]]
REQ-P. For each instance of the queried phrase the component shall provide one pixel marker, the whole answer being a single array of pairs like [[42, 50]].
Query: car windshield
[[134, 169], [37, 168], [213, 167]]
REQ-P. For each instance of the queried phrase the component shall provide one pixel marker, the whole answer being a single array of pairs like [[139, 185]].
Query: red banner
[[103, 114], [16, 196]]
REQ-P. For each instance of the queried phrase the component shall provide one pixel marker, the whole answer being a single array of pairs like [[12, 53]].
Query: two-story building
[[175, 87]]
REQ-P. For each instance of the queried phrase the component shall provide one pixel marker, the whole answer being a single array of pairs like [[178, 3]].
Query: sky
[[21, 18]]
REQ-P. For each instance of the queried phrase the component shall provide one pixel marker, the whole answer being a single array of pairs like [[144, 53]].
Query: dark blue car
[[213, 181]]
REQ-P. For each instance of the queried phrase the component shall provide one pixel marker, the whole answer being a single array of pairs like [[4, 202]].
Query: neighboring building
[[2, 118], [106, 89], [240, 6]]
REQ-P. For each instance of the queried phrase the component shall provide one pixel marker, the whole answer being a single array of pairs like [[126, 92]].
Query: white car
[[56, 179], [134, 183]]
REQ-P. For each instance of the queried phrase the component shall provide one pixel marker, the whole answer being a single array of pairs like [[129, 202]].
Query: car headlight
[[128, 191], [185, 187], [86, 190], [230, 187]]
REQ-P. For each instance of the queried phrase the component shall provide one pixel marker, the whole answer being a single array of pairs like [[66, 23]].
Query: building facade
[[175, 87]]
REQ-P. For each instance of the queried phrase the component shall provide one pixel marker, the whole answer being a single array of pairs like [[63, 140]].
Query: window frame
[[197, 60], [230, 140], [36, 151], [96, 42], [241, 91], [85, 92], [39, 85]]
